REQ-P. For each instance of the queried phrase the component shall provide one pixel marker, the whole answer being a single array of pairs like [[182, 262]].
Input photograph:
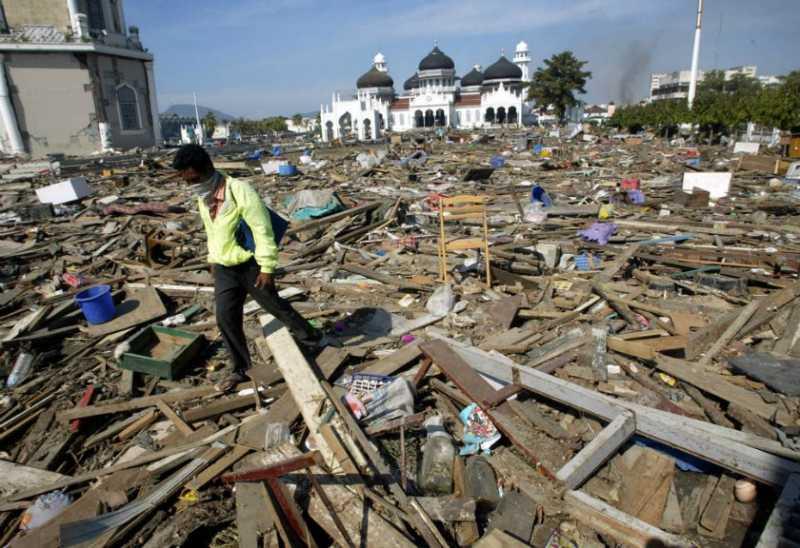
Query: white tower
[[522, 60], [380, 62]]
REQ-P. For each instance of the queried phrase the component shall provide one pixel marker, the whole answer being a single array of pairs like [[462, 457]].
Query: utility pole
[[695, 53], [199, 131]]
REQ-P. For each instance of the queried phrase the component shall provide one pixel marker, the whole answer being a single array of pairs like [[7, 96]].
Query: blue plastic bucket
[[287, 170], [96, 304]]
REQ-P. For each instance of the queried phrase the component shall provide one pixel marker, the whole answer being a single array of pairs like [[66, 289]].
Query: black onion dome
[[436, 60], [412, 83], [375, 78], [472, 78], [503, 69]]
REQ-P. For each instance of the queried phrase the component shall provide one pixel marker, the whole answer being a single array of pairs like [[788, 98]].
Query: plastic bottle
[[22, 368], [435, 476]]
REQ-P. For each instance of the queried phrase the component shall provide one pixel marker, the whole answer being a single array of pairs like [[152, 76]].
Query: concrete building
[[73, 79], [432, 97], [675, 85]]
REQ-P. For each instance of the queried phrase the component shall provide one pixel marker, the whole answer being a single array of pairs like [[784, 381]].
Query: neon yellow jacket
[[241, 202]]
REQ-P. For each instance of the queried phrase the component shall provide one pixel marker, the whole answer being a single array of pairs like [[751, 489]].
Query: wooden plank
[[527, 411], [17, 477], [459, 371], [174, 396], [728, 335], [791, 334], [252, 519], [179, 423], [218, 408], [597, 451], [467, 243], [782, 523], [144, 459], [140, 424], [394, 361], [207, 475], [649, 475], [770, 306], [383, 278], [714, 520], [363, 524], [305, 388], [728, 451], [705, 337], [659, 344], [637, 349], [718, 386], [628, 530]]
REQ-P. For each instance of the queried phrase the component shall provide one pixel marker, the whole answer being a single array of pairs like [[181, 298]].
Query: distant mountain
[[187, 111]]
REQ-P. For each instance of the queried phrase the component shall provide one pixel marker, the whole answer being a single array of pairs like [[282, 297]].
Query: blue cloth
[[497, 161], [244, 235], [684, 461]]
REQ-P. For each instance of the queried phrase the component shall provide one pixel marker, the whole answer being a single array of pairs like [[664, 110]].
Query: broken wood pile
[[630, 377]]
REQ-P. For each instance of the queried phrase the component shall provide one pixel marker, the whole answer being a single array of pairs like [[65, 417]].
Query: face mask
[[206, 187]]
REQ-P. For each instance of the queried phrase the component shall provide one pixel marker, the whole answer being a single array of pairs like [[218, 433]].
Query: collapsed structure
[[620, 368]]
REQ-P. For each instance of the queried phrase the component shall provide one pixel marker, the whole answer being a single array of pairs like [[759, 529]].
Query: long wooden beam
[[659, 426]]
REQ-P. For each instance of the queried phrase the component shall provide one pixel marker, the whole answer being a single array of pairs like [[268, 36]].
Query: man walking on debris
[[243, 256]]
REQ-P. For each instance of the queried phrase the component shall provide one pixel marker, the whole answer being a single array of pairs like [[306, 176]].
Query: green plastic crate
[[161, 351]]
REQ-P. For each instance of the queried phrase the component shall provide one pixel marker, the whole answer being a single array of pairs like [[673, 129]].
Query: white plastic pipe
[[695, 53]]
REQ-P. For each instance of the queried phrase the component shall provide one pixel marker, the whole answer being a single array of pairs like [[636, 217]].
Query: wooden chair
[[459, 208]]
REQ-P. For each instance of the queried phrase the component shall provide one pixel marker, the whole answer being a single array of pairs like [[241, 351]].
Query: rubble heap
[[630, 376]]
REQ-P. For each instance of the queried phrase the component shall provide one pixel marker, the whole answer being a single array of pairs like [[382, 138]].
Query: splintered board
[[161, 351]]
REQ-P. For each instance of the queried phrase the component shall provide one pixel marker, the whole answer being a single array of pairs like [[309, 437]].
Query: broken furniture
[[161, 351], [461, 208]]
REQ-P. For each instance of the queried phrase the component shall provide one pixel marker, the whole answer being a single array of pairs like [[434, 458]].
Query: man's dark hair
[[193, 156]]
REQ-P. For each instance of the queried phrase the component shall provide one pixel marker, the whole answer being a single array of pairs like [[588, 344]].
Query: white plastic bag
[[442, 301]]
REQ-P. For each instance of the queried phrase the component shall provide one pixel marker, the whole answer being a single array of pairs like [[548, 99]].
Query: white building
[[675, 85], [433, 97]]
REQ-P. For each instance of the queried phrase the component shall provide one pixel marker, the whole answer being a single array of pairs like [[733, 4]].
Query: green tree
[[209, 122], [725, 106], [557, 82], [297, 119], [779, 106]]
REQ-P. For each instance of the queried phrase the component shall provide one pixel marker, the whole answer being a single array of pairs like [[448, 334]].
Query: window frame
[[139, 120]]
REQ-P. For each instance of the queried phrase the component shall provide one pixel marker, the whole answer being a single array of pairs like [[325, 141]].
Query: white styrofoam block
[[68, 190], [794, 171], [716, 184], [746, 148]]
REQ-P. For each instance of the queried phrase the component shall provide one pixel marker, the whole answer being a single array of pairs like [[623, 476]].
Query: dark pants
[[232, 285]]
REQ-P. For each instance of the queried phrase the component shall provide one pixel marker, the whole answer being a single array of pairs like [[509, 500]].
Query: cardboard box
[[66, 191]]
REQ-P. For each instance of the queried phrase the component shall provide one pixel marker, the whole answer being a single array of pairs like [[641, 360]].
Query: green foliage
[[556, 83], [274, 124], [720, 106], [209, 122], [297, 119]]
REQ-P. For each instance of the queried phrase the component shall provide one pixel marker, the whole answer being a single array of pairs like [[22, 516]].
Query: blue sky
[[259, 58]]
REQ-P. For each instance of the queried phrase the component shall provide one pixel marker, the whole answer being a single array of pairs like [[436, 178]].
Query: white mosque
[[433, 97]]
